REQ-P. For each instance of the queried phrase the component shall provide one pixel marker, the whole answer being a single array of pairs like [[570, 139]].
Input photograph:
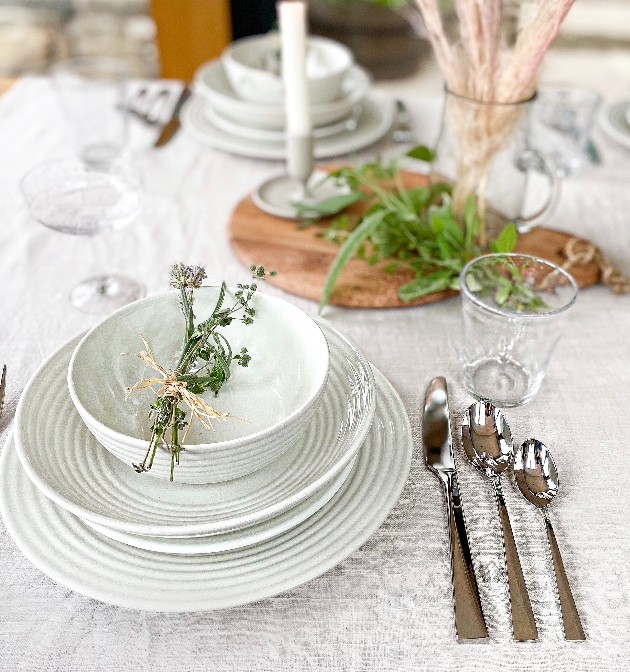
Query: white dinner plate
[[228, 541], [222, 122], [614, 122], [70, 467], [212, 85], [373, 122], [76, 556]]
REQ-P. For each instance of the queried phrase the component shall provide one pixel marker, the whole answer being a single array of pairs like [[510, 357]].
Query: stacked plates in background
[[615, 120], [92, 523], [220, 116]]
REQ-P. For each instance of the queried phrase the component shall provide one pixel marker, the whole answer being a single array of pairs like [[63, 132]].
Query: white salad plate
[[614, 121], [78, 557], [372, 123], [72, 468], [211, 84], [228, 541]]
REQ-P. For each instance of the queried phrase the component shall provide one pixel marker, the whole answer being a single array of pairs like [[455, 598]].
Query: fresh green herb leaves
[[204, 363], [506, 240], [500, 278], [422, 153], [415, 228], [348, 249]]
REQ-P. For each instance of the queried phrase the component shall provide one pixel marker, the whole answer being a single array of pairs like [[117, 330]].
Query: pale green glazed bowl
[[276, 394]]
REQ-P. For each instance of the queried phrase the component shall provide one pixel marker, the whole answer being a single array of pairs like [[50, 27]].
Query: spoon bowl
[[487, 438], [536, 473]]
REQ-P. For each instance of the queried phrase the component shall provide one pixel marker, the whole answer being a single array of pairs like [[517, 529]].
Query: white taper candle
[[292, 16]]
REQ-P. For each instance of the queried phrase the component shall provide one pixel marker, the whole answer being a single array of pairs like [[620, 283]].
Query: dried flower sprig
[[204, 364]]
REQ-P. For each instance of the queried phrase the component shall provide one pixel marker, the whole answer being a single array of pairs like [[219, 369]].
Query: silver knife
[[438, 450], [172, 125], [3, 386]]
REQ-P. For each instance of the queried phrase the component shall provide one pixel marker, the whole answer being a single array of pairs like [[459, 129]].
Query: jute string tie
[[170, 385]]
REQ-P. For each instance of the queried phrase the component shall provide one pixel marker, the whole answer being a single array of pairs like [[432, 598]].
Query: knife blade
[[440, 459], [172, 125], [3, 386]]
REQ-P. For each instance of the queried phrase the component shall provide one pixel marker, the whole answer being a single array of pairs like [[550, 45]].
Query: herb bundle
[[416, 228], [204, 363]]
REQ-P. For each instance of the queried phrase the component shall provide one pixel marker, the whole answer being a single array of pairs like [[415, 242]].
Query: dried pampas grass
[[489, 51], [496, 48]]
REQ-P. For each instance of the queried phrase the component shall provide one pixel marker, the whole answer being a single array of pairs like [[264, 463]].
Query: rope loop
[[580, 252]]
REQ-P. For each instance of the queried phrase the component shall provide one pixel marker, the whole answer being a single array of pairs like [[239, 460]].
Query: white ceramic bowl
[[252, 66], [211, 82], [277, 393]]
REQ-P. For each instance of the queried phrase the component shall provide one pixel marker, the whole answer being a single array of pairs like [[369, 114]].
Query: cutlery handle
[[469, 620], [570, 617], [523, 623]]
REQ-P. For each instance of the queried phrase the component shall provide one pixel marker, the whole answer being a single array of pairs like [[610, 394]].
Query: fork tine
[[157, 107]]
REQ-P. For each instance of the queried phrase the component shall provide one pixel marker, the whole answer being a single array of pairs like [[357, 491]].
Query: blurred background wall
[[173, 37]]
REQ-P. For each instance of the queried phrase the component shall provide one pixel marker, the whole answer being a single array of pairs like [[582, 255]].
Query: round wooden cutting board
[[302, 259]]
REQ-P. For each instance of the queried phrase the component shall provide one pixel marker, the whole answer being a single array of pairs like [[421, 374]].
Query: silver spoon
[[487, 441], [537, 479]]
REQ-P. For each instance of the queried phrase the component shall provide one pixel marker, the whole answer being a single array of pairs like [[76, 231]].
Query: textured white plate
[[69, 465], [212, 85], [224, 123], [613, 121], [78, 557], [228, 541], [373, 122]]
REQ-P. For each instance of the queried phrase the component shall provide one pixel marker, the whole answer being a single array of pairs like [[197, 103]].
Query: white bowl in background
[[253, 68], [211, 82], [277, 393]]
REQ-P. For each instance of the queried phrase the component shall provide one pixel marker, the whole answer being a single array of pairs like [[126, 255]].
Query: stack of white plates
[[92, 523], [615, 120], [217, 116]]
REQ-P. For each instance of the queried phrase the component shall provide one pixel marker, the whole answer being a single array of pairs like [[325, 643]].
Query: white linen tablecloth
[[389, 605]]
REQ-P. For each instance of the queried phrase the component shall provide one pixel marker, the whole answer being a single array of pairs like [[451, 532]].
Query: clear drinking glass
[[514, 308], [71, 197], [100, 190], [93, 94], [563, 120]]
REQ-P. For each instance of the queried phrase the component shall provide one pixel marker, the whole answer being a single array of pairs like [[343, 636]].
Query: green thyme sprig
[[204, 363], [413, 228]]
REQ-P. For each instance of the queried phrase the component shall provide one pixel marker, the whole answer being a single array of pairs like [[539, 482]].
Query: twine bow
[[173, 387], [580, 252]]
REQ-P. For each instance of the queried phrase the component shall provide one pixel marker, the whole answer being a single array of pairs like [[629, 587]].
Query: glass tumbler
[[93, 94], [562, 124], [514, 307]]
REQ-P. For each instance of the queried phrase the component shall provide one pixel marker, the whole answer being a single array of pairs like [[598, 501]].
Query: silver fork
[[402, 129], [149, 109]]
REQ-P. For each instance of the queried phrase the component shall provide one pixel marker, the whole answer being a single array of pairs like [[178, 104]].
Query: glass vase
[[484, 150]]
